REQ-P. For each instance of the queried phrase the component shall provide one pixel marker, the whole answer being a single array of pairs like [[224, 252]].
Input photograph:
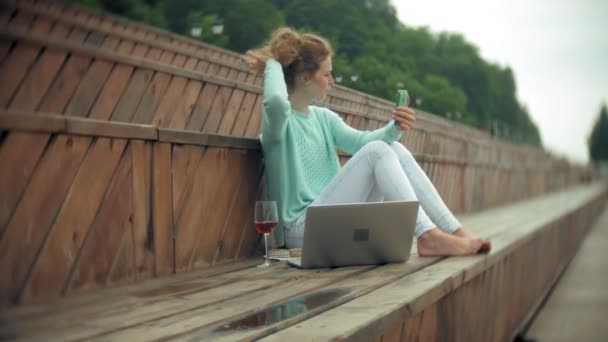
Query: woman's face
[[319, 83]]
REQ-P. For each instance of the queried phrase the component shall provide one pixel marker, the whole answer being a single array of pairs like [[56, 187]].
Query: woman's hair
[[297, 53]]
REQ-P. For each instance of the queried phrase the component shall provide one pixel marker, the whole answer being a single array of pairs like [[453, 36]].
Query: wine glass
[[265, 219]]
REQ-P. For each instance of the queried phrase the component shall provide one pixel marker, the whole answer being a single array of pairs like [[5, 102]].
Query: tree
[[598, 140], [248, 23]]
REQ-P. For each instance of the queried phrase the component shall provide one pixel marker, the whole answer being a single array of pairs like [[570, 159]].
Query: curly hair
[[297, 53]]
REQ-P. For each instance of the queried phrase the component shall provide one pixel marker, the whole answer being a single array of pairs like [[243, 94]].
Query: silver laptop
[[357, 234]]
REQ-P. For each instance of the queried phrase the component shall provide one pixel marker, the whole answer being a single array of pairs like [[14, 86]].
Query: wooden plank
[[14, 69], [113, 89], [130, 99], [162, 202], [22, 151], [21, 22], [35, 213], [185, 106], [100, 250], [202, 107], [4, 50], [42, 25], [244, 115], [109, 129], [85, 95], [123, 269], [239, 217], [143, 237], [110, 94], [230, 115], [151, 98], [64, 85], [72, 225], [220, 102], [208, 238], [52, 123], [198, 206], [186, 159], [168, 102], [255, 122]]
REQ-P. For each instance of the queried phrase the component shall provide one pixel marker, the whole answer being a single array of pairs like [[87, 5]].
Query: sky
[[557, 49]]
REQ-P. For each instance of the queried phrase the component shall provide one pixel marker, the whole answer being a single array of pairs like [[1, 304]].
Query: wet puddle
[[278, 312]]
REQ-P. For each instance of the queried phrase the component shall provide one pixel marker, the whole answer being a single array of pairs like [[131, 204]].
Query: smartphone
[[402, 96]]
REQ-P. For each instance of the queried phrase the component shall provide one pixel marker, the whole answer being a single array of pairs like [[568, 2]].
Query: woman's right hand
[[256, 61]]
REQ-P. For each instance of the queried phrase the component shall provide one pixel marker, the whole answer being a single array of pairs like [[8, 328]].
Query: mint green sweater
[[300, 149]]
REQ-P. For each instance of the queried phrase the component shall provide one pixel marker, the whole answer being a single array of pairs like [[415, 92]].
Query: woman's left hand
[[405, 116]]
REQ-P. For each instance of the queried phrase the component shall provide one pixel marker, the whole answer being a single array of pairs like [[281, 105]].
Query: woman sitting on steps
[[300, 140]]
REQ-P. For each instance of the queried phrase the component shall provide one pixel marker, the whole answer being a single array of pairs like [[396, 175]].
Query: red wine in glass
[[265, 227], [265, 218]]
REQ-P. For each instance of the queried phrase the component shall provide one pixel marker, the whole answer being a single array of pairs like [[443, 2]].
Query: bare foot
[[437, 243], [463, 233]]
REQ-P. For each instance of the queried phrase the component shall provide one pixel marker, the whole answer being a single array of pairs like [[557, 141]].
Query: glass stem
[[266, 246]]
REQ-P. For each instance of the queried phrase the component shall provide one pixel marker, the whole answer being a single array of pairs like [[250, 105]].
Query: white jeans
[[377, 172]]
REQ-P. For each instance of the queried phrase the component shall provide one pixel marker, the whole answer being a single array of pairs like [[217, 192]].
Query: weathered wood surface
[[90, 206], [151, 148], [433, 298]]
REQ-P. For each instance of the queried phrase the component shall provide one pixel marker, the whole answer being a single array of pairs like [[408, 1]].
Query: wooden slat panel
[[51, 271], [244, 115], [220, 102], [13, 70], [123, 269], [64, 86], [126, 106], [162, 204], [208, 238], [112, 89], [199, 206], [255, 122], [239, 218], [186, 159], [21, 151], [36, 83], [230, 114], [101, 248], [86, 94], [202, 107], [143, 234], [148, 101], [166, 107], [185, 105], [36, 211]]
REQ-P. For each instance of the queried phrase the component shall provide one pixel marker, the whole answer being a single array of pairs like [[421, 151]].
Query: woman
[[299, 143]]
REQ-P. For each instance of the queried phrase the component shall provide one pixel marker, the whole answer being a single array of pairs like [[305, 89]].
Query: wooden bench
[[467, 298]]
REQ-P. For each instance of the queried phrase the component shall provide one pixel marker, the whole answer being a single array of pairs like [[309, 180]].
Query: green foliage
[[598, 140], [249, 23], [442, 71]]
